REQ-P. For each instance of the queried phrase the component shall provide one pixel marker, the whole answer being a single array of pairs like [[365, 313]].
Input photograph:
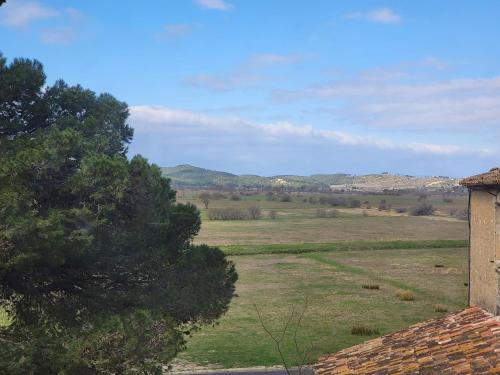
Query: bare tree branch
[[278, 338]]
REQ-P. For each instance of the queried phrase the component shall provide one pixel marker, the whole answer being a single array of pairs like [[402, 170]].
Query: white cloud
[[458, 104], [63, 35], [271, 59], [21, 13], [70, 23], [248, 73], [169, 136], [64, 26], [161, 121], [382, 15], [214, 4], [435, 63]]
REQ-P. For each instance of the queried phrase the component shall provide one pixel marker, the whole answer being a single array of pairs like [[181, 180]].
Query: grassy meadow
[[296, 221], [347, 271]]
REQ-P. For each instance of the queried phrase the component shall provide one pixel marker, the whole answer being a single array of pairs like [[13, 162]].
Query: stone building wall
[[485, 250]]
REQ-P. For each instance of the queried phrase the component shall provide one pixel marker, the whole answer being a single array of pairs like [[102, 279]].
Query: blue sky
[[279, 86]]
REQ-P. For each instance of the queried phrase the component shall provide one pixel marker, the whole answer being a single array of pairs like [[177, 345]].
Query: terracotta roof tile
[[465, 342], [490, 178]]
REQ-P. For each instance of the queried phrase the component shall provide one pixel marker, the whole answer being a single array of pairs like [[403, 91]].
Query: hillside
[[187, 176]]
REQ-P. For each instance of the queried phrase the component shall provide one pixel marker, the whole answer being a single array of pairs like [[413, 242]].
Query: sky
[[283, 87]]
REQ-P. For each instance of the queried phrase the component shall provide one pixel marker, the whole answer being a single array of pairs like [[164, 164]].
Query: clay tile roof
[[465, 342], [484, 179]]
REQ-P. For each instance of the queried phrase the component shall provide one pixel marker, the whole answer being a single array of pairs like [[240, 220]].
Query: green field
[[296, 221], [331, 281], [296, 257]]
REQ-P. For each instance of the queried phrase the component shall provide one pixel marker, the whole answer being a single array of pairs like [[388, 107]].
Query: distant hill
[[188, 176]]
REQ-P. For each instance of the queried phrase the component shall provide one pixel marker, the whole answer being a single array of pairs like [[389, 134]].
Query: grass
[[301, 248], [302, 226], [297, 221], [291, 255], [280, 282]]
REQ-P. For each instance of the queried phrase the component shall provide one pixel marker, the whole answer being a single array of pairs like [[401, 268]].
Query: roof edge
[[491, 178]]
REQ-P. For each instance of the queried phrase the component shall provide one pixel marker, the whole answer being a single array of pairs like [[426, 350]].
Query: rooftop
[[464, 342], [484, 179]]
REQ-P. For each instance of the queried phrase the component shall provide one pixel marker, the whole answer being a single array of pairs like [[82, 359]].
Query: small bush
[[273, 214], [439, 265], [422, 209], [371, 286], [440, 308], [254, 213], [285, 198], [384, 206], [422, 197], [360, 330], [405, 295], [401, 210], [462, 214], [235, 197], [227, 214], [322, 213], [447, 200], [354, 203], [218, 195]]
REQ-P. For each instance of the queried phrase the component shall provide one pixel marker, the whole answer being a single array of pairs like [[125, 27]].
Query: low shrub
[[405, 295], [401, 210], [422, 197], [322, 213], [354, 203], [439, 265], [273, 214], [312, 200], [252, 213], [218, 195], [462, 214], [285, 198], [422, 209], [440, 308], [371, 286], [235, 197], [384, 206], [360, 330]]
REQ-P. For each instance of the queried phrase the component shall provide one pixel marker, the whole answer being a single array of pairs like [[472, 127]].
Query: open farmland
[[332, 283], [296, 221], [295, 256]]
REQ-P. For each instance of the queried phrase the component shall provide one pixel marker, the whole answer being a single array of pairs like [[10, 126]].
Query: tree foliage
[[98, 272]]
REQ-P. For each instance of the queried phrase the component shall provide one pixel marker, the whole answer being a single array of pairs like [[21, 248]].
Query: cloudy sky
[[279, 86]]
